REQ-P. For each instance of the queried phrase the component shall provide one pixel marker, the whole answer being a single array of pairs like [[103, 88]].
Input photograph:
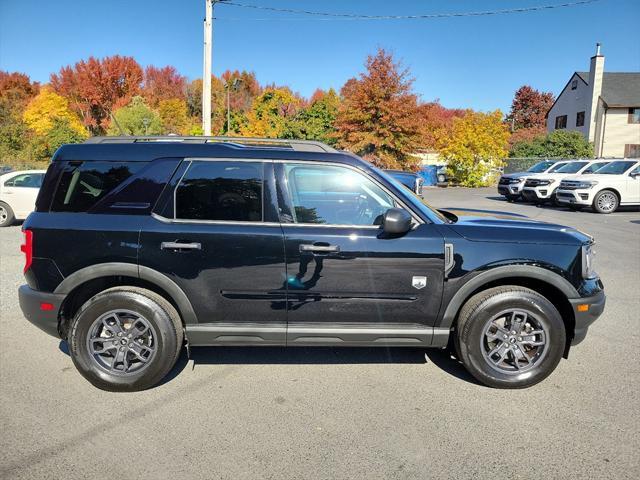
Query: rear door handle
[[180, 246], [320, 248]]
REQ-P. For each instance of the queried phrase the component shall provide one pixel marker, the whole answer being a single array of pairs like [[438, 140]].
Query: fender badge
[[419, 282]]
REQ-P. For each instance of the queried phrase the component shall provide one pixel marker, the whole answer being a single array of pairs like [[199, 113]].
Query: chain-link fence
[[524, 163]]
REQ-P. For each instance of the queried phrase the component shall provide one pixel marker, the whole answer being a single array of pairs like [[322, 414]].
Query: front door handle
[[180, 246], [320, 248]]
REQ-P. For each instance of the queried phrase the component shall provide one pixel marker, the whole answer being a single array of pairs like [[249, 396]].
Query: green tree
[[136, 118], [316, 121], [475, 146], [379, 117], [557, 144]]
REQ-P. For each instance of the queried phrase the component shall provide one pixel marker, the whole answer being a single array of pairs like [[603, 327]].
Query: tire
[[160, 343], [474, 329], [554, 201], [606, 202], [441, 178], [512, 198], [7, 216]]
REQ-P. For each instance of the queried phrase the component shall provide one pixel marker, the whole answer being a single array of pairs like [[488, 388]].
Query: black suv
[[139, 245]]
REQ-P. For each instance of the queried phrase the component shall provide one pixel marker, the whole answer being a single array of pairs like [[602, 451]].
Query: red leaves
[[163, 84], [529, 108], [96, 87]]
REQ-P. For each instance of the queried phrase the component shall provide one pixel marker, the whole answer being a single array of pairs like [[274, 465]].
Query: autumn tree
[[246, 89], [379, 117], [316, 121], [16, 90], [174, 117], [48, 109], [436, 122], [270, 113], [96, 87], [162, 84], [136, 118], [529, 108], [476, 145]]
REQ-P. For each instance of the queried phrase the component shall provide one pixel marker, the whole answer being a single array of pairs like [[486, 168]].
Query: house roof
[[619, 89]]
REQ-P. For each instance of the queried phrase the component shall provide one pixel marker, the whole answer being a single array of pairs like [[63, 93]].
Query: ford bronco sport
[[140, 245]]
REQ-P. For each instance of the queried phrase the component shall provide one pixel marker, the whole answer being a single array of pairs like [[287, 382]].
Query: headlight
[[588, 256], [542, 183], [585, 185], [517, 180]]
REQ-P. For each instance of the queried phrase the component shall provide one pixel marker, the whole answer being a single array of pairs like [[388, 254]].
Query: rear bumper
[[31, 303], [584, 319]]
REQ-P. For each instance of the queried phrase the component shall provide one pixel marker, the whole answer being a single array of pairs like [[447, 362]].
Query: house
[[604, 106]]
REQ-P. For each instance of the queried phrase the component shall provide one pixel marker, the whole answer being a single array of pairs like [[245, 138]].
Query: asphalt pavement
[[324, 413]]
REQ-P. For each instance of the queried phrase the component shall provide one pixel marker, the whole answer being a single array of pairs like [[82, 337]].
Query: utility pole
[[206, 74]]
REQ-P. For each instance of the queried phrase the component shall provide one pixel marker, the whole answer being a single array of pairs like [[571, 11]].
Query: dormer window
[[574, 84]]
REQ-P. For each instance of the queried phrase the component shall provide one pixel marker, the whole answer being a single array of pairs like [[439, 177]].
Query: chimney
[[596, 73]]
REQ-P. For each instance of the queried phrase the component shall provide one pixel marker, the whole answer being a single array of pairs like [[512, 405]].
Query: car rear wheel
[[510, 337], [6, 215], [125, 339], [605, 201]]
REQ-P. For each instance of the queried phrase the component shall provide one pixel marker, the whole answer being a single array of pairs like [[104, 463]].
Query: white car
[[617, 183], [542, 188], [18, 192]]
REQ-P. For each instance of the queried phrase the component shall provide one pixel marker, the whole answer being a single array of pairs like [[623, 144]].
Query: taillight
[[27, 249]]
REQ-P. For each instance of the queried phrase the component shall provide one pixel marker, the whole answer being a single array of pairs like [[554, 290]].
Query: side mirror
[[396, 220], [634, 175]]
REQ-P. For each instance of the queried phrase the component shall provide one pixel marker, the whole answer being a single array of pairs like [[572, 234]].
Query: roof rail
[[297, 145]]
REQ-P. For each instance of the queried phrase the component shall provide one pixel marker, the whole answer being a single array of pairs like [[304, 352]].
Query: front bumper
[[574, 197], [513, 189], [41, 308], [538, 193], [585, 317]]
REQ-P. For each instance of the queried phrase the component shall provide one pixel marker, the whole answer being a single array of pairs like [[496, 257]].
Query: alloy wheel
[[607, 201], [122, 342], [514, 342], [3, 214]]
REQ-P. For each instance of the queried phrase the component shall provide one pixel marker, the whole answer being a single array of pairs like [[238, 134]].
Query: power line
[[353, 16]]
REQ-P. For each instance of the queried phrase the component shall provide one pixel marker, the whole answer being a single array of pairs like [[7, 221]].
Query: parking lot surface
[[331, 413]]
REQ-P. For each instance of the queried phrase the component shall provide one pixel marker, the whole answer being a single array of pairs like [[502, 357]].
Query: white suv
[[615, 184], [18, 192], [542, 188]]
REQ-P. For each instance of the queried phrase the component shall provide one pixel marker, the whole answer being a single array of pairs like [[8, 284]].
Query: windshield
[[557, 166], [410, 193], [540, 167], [572, 167], [616, 168]]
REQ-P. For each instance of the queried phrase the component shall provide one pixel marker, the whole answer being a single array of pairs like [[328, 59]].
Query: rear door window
[[83, 186], [221, 191]]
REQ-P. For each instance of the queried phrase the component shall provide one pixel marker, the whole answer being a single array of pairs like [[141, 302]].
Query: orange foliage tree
[[379, 117], [96, 87]]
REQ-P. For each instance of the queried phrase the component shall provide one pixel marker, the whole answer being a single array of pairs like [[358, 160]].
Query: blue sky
[[475, 62]]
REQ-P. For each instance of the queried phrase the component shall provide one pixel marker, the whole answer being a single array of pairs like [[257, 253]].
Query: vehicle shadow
[[312, 356]]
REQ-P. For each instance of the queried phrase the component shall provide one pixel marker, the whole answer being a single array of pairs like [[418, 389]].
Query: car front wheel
[[605, 201], [125, 339], [510, 337]]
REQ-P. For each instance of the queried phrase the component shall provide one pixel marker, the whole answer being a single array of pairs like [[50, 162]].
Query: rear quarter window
[[82, 186]]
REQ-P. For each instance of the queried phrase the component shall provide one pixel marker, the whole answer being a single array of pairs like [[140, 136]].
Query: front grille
[[532, 182], [504, 181], [564, 194], [569, 185]]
